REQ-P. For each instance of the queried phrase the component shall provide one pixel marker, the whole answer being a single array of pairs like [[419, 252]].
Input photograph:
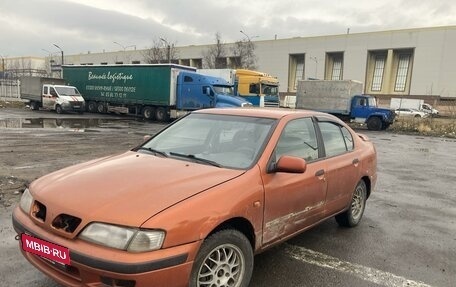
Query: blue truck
[[155, 92], [345, 100]]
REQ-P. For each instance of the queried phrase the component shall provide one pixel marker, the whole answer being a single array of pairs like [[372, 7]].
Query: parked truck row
[[166, 91], [157, 92]]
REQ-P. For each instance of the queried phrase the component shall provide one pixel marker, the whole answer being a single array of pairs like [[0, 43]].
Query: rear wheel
[[225, 259], [34, 106], [92, 107], [101, 108], [353, 215], [148, 113], [374, 124], [161, 114]]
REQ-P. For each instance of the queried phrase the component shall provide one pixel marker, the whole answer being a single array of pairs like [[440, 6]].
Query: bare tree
[[215, 56], [244, 55], [162, 51]]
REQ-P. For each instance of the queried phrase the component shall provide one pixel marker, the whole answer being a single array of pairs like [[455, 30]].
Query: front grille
[[271, 104], [39, 211], [66, 222]]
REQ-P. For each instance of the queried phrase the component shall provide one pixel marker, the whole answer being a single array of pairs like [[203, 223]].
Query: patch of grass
[[11, 104], [442, 127]]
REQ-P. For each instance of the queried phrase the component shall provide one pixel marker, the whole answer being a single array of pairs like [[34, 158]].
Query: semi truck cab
[[198, 91], [261, 89]]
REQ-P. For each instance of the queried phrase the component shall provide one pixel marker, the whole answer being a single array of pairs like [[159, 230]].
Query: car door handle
[[355, 161], [320, 172]]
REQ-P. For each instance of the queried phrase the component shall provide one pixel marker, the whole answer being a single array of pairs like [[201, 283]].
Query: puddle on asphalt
[[62, 123]]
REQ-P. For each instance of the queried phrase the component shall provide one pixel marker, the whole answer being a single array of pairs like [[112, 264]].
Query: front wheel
[[374, 124], [353, 215], [58, 109], [225, 259]]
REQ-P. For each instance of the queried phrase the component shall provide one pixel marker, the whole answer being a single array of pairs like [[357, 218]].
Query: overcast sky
[[29, 27]]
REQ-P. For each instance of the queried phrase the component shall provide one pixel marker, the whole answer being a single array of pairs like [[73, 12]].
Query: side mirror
[[290, 164], [146, 137]]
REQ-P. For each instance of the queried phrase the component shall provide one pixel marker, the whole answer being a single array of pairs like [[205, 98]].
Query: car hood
[[126, 189]]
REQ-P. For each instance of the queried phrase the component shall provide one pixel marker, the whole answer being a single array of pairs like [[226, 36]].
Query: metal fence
[[9, 89]]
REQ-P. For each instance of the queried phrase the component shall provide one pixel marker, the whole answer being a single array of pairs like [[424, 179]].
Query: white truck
[[51, 94], [417, 104]]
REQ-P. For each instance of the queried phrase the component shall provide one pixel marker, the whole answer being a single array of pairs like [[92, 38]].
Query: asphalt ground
[[407, 236]]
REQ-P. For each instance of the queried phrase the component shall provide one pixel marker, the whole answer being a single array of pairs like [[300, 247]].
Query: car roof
[[275, 113]]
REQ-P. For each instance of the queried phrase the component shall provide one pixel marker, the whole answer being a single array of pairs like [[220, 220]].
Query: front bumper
[[165, 267], [73, 106]]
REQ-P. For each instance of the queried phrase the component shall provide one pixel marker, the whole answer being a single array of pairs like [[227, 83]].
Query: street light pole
[[125, 48], [61, 51], [247, 36], [168, 50], [61, 65]]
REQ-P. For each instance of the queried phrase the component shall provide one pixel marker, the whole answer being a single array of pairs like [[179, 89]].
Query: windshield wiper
[[192, 156], [154, 151]]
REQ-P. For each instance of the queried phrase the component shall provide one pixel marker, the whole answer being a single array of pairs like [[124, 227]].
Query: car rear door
[[342, 165]]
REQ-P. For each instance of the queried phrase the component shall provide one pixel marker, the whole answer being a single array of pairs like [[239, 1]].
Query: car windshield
[[269, 90], [67, 91], [217, 140], [226, 90]]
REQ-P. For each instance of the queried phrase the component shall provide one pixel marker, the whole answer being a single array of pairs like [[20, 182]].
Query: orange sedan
[[193, 204]]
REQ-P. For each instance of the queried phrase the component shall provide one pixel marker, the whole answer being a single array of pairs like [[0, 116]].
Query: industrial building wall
[[401, 62]]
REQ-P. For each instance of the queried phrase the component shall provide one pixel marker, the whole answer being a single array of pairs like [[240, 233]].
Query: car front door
[[48, 100], [294, 201]]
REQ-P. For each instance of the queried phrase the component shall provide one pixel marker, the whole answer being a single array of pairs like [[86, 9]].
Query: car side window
[[53, 92], [298, 139], [348, 138], [333, 138]]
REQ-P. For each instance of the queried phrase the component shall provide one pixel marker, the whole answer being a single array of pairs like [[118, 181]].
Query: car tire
[[417, 116], [224, 259], [374, 124], [58, 109], [352, 216]]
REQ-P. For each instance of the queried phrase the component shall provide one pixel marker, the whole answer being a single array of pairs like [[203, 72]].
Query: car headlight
[[125, 238], [26, 201]]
